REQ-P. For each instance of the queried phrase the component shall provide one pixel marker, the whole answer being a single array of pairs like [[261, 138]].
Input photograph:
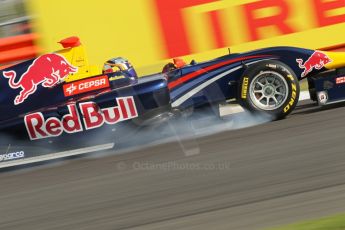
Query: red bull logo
[[316, 61], [47, 70], [38, 127]]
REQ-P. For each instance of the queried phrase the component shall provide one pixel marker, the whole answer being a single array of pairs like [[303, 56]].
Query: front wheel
[[269, 87]]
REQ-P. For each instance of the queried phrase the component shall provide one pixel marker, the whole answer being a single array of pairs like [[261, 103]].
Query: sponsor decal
[[46, 70], [177, 21], [290, 77], [322, 97], [12, 156], [293, 95], [316, 61], [340, 80], [272, 66], [244, 87], [116, 78], [93, 117], [85, 86]]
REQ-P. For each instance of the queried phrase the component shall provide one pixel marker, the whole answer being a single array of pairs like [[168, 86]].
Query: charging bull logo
[[316, 61], [47, 70]]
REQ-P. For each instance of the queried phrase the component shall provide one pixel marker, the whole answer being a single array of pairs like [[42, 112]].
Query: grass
[[336, 222]]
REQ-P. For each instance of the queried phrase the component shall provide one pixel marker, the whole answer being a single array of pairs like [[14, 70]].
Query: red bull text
[[47, 70], [316, 61], [93, 117]]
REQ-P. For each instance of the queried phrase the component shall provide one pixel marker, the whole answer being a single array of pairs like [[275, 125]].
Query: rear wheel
[[269, 87]]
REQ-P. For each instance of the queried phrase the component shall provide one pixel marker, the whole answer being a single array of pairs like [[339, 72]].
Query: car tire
[[270, 88]]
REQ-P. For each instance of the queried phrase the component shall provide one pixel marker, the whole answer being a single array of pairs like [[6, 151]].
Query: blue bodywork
[[194, 85], [226, 87]]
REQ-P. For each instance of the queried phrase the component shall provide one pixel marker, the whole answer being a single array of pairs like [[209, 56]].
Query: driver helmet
[[119, 64]]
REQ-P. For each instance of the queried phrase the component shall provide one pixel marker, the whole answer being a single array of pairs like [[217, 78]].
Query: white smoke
[[183, 129]]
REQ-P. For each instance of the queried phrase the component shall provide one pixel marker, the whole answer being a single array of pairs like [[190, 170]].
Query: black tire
[[270, 74]]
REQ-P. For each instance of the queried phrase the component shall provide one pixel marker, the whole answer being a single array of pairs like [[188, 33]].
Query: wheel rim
[[268, 90]]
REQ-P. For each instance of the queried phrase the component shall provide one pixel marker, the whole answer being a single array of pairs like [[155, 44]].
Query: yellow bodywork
[[338, 60], [77, 57]]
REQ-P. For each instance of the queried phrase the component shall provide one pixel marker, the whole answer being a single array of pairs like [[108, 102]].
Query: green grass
[[336, 222]]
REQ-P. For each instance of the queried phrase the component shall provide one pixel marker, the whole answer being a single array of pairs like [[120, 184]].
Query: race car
[[58, 98]]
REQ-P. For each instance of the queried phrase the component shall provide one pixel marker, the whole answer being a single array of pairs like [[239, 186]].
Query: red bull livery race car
[[57, 104]]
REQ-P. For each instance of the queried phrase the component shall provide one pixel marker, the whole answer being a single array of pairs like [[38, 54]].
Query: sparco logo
[[12, 156]]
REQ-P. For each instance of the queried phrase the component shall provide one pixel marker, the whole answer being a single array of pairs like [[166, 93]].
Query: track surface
[[253, 178]]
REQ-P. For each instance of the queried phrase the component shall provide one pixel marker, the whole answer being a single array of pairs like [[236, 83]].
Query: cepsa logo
[[93, 117], [85, 86], [176, 26]]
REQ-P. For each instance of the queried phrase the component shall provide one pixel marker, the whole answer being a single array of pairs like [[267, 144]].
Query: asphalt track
[[253, 178]]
